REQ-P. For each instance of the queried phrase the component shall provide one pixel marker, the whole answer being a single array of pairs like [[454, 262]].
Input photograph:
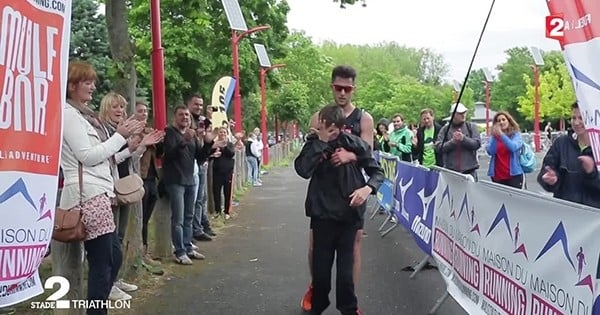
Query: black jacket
[[419, 148], [329, 190], [180, 156], [573, 183], [225, 163]]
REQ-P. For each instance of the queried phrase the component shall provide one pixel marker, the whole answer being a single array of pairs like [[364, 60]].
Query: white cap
[[460, 108]]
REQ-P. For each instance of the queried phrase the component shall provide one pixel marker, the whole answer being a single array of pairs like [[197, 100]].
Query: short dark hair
[[192, 96], [332, 115], [344, 72], [574, 105], [178, 108], [398, 115]]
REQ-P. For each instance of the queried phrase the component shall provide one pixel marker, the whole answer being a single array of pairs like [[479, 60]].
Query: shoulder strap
[[469, 129], [80, 180]]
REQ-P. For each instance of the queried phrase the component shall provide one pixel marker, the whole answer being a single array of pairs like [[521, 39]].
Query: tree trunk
[[122, 50], [125, 80]]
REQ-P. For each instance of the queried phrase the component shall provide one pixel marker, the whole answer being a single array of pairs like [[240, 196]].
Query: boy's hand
[[325, 133], [360, 195], [342, 156]]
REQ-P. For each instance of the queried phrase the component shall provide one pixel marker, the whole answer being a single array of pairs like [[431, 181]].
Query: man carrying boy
[[335, 202]]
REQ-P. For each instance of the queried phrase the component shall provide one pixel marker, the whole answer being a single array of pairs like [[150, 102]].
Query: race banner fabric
[[500, 250], [503, 251], [581, 48], [385, 194], [34, 52]]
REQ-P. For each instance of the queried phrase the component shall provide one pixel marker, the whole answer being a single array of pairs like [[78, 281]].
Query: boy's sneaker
[[126, 287], [117, 294], [306, 303]]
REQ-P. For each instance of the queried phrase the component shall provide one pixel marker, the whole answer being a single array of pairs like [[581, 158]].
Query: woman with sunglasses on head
[[569, 168], [504, 149]]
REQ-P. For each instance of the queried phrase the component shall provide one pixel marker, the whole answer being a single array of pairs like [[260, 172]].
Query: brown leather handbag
[[68, 227]]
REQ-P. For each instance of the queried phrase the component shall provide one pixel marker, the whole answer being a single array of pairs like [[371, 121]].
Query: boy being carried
[[335, 202]]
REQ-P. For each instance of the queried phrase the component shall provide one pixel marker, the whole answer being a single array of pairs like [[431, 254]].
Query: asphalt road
[[257, 265]]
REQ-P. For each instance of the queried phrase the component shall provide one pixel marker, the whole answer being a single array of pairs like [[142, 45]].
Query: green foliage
[[89, 42], [556, 94]]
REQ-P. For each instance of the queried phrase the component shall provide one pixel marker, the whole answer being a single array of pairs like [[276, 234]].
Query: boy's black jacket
[[330, 186]]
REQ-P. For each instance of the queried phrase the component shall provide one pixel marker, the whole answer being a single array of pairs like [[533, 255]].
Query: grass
[[147, 282]]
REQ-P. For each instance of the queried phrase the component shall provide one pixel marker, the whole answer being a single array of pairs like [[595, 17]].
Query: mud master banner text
[[34, 52]]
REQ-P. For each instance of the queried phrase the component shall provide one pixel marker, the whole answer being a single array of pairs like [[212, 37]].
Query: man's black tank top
[[352, 124]]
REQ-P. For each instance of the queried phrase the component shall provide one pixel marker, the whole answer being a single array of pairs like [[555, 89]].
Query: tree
[[475, 83], [556, 94], [432, 67], [89, 42]]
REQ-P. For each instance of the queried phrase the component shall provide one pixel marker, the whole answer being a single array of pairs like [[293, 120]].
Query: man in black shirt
[[335, 202], [181, 150]]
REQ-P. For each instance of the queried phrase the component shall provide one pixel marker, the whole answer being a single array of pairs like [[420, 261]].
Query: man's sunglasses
[[345, 88]]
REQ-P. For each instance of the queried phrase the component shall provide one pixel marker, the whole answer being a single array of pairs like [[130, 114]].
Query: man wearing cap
[[458, 142]]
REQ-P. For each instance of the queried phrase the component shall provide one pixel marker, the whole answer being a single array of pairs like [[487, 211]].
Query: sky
[[450, 28]]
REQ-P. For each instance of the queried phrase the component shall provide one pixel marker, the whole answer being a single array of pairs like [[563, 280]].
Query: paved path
[[257, 265]]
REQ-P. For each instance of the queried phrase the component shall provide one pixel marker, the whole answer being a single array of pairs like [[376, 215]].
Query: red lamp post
[[159, 102], [487, 107], [263, 110], [536, 109], [237, 97]]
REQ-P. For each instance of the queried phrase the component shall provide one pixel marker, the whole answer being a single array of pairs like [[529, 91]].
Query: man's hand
[[342, 156], [216, 154], [189, 134], [360, 195], [457, 136], [219, 144], [549, 177], [587, 163]]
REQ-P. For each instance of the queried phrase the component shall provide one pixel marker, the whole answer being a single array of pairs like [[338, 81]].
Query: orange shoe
[[306, 303]]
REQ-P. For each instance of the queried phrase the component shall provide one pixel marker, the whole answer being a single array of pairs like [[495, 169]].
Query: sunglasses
[[345, 88]]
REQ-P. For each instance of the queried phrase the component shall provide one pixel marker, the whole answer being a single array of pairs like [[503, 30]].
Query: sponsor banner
[[34, 52], [385, 194], [581, 48], [503, 251], [221, 98]]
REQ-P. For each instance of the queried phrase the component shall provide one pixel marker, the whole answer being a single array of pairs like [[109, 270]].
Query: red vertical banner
[[34, 52]]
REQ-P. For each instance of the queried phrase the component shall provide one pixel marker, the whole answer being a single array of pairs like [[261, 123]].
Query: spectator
[[569, 168], [401, 139], [505, 148], [222, 153], [252, 154], [86, 145], [428, 132]]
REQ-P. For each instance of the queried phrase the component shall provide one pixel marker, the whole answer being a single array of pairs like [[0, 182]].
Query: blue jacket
[[514, 145]]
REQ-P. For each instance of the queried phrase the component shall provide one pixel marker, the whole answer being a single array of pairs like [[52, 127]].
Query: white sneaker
[[117, 294], [125, 287], [184, 260], [194, 247], [195, 255]]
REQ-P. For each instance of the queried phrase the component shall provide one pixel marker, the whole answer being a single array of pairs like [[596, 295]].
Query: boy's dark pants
[[331, 238]]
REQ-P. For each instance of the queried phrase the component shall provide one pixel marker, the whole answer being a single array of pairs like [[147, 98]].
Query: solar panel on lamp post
[[538, 60], [237, 24], [265, 66]]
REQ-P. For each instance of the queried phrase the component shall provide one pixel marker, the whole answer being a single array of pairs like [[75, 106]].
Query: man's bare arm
[[366, 128]]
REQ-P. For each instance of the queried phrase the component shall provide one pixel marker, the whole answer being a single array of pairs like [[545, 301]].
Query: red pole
[[276, 129], [237, 97], [487, 108], [159, 102], [536, 113], [263, 115]]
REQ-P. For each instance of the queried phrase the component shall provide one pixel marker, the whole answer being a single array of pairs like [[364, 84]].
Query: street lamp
[[263, 109], [538, 61], [487, 82], [159, 107], [237, 23], [456, 87], [265, 67], [237, 96]]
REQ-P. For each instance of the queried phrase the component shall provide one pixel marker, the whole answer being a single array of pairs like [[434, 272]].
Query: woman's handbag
[[129, 189], [68, 227]]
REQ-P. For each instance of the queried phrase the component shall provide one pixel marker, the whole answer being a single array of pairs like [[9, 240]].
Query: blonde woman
[[83, 146], [504, 149], [112, 113]]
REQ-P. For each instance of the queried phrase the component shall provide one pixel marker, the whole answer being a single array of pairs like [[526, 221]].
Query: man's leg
[[189, 197], [357, 256], [176, 193], [324, 239], [346, 300], [204, 221], [197, 219]]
